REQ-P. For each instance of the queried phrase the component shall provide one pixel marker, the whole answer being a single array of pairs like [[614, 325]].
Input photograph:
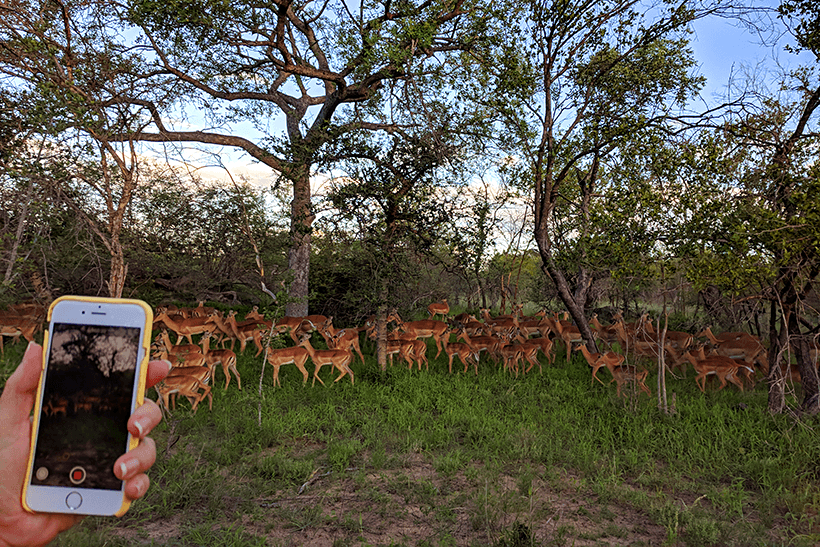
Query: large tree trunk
[[777, 384], [808, 371], [118, 271], [301, 222], [576, 311]]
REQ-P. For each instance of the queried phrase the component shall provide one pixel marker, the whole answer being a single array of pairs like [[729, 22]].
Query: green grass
[[427, 458]]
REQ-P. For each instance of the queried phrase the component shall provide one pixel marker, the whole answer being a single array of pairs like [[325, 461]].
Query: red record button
[[77, 475]]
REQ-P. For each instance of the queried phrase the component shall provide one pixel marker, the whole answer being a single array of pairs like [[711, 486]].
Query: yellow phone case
[[141, 380]]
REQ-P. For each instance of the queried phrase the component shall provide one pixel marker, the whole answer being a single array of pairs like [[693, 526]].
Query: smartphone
[[94, 366]]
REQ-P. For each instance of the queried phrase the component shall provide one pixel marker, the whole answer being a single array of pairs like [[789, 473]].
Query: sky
[[722, 49]]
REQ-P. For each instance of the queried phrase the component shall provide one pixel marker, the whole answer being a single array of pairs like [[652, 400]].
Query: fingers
[[144, 419], [136, 487], [131, 467], [157, 370], [136, 462]]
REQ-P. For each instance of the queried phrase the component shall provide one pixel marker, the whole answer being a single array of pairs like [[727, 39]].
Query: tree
[[572, 84], [298, 75], [759, 224], [55, 58], [391, 196]]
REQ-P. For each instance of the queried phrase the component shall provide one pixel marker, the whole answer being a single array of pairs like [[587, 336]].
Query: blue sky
[[723, 47]]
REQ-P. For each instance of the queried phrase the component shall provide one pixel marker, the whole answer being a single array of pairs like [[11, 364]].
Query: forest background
[[556, 152]]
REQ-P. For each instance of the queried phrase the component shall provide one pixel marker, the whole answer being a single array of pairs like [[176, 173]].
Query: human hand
[[18, 526]]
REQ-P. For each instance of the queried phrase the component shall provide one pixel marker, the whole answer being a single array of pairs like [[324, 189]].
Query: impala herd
[[512, 341]]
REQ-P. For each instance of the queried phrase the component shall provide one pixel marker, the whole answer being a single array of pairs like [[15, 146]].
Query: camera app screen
[[86, 406]]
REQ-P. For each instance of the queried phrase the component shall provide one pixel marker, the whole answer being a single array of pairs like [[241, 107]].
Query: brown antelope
[[439, 308], [201, 373], [488, 344], [546, 347], [501, 323], [297, 327], [724, 368], [395, 345], [346, 339], [186, 386], [284, 356], [511, 353], [185, 328], [568, 333], [177, 350], [254, 315], [607, 333], [427, 328], [625, 374], [745, 349], [224, 357], [244, 332], [464, 352], [599, 360], [404, 348], [336, 358]]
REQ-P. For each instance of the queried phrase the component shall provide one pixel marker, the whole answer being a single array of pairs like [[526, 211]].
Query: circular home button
[[77, 475], [74, 500]]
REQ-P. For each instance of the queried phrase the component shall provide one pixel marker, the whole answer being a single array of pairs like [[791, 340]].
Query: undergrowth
[[541, 459]]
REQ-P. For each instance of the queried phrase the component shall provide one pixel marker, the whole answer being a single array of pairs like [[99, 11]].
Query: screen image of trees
[[86, 404]]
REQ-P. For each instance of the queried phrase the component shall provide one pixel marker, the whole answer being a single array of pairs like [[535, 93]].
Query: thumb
[[17, 399]]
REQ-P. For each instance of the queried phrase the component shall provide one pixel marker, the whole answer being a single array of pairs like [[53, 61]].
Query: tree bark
[[577, 312], [301, 223], [18, 235], [777, 385]]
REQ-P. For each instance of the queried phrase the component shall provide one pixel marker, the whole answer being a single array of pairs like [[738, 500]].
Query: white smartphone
[[94, 366]]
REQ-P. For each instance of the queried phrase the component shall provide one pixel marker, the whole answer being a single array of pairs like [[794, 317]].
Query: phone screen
[[87, 396]]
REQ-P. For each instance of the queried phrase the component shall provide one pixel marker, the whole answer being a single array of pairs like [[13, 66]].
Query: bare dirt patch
[[417, 505]]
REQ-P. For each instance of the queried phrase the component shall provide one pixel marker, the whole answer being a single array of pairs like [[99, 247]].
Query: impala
[[625, 374], [724, 368], [725, 336], [296, 327], [569, 334], [258, 317], [438, 308], [746, 349], [285, 356], [429, 328], [186, 386], [600, 360], [501, 323], [489, 344], [225, 357], [246, 331], [607, 333], [546, 347], [347, 339], [185, 328], [201, 373], [464, 352], [164, 338], [336, 358], [511, 354]]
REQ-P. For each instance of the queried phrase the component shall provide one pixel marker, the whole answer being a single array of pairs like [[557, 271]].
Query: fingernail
[[126, 465], [139, 489], [167, 362], [138, 425], [30, 346]]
